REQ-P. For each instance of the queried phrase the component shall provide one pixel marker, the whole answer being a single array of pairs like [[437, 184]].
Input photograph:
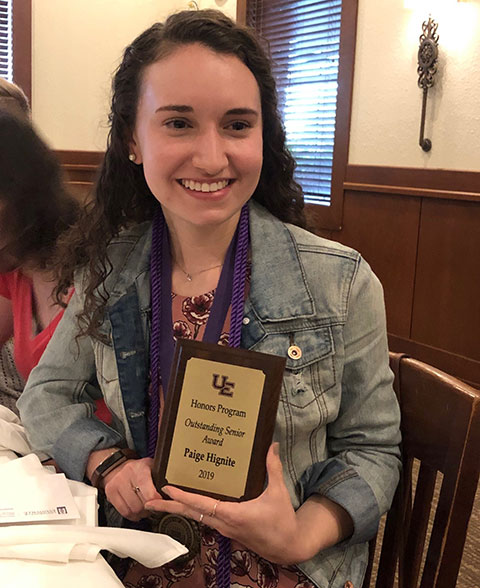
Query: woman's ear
[[134, 153]]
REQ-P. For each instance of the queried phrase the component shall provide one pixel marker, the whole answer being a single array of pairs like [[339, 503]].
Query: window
[[6, 61], [312, 43], [16, 43]]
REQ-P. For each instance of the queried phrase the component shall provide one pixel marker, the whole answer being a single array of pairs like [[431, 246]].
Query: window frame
[[320, 216], [22, 45]]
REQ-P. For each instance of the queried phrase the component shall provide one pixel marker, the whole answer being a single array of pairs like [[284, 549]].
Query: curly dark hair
[[122, 196], [35, 206]]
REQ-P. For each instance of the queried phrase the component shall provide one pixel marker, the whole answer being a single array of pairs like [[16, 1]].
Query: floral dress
[[190, 315]]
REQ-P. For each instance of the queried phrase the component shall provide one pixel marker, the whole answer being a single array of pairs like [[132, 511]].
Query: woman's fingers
[[130, 486]]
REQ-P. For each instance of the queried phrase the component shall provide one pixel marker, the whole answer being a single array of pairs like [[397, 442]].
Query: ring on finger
[[200, 519], [214, 509]]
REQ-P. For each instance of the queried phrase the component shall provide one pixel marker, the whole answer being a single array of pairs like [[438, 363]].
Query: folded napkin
[[12, 433], [62, 543]]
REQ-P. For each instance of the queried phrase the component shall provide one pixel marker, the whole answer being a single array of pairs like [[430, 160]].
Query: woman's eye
[[177, 123], [239, 125]]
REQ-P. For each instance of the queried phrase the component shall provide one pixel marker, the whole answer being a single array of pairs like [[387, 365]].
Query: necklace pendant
[[189, 277]]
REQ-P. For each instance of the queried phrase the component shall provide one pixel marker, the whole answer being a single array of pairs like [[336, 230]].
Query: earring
[[132, 157]]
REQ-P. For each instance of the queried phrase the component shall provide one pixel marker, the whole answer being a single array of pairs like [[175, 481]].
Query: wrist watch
[[111, 462]]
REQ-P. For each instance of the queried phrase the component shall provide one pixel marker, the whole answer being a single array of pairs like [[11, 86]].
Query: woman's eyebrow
[[242, 111], [175, 108], [185, 108]]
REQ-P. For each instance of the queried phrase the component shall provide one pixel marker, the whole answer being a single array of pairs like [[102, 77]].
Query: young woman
[[196, 187]]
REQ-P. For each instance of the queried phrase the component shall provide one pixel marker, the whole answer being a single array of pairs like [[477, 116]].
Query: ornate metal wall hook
[[427, 68], [192, 5]]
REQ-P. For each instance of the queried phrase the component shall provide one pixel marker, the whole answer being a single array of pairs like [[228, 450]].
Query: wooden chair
[[440, 429]]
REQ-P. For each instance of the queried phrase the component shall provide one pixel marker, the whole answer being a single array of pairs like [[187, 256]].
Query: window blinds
[[304, 41], [6, 60]]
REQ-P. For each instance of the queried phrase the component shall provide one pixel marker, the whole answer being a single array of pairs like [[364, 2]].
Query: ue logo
[[221, 384]]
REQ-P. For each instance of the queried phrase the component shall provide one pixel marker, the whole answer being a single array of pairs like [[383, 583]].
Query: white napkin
[[18, 573], [61, 543], [12, 433]]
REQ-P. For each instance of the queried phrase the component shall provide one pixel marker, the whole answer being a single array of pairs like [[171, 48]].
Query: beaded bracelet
[[111, 462]]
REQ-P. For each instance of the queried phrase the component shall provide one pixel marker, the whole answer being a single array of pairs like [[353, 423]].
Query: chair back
[[441, 434]]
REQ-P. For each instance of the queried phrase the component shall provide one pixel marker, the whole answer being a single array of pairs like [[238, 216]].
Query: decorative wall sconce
[[427, 68]]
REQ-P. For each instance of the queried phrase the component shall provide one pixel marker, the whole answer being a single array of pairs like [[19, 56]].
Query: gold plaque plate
[[219, 420]]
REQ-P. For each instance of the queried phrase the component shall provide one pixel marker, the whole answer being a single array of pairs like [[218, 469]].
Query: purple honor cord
[[230, 290]]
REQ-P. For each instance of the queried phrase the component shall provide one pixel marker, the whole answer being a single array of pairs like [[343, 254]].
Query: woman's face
[[198, 134]]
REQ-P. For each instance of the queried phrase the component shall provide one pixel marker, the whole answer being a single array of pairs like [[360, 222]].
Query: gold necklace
[[189, 276]]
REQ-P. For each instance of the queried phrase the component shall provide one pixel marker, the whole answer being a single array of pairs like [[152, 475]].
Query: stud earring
[[132, 157]]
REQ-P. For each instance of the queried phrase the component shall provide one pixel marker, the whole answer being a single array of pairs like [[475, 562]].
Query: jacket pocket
[[310, 370], [303, 387]]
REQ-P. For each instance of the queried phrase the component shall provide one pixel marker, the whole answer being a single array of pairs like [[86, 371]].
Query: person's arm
[[363, 469], [6, 320], [57, 405]]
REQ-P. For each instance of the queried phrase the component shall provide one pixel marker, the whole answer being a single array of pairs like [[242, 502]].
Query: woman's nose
[[210, 155]]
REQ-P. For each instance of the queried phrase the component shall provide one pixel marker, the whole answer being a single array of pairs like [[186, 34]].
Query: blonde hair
[[13, 99]]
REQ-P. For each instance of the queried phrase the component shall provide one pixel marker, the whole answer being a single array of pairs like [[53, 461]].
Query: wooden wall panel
[[384, 229], [80, 169], [446, 310]]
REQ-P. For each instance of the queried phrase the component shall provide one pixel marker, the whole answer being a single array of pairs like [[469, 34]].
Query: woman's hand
[[128, 486], [268, 525]]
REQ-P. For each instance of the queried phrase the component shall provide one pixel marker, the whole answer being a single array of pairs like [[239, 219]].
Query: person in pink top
[[35, 209]]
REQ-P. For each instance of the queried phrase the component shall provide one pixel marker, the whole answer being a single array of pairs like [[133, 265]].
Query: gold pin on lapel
[[294, 352]]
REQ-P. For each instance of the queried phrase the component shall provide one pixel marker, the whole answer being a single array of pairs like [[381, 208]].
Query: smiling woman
[[210, 150], [195, 231]]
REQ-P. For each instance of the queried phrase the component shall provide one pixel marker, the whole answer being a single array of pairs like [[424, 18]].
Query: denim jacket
[[337, 421]]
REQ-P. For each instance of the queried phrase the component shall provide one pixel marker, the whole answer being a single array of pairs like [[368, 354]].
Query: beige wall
[[387, 102], [76, 46]]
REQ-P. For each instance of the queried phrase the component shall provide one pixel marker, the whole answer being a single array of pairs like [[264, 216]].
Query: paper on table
[[62, 543], [31, 494]]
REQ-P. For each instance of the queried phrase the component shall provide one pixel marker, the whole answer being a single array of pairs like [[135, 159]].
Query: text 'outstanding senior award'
[[219, 420]]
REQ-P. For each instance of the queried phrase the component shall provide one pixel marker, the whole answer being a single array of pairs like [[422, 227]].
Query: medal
[[181, 529]]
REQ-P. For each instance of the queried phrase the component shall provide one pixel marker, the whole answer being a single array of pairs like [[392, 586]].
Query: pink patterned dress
[[190, 315]]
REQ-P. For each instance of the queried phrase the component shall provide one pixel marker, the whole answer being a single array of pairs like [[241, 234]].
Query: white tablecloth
[[70, 543]]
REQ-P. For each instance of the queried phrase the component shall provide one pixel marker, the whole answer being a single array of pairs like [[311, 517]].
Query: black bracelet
[[111, 462]]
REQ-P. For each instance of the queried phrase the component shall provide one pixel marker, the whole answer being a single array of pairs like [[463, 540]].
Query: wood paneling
[[406, 181], [420, 231], [446, 311], [242, 12], [384, 229], [22, 45], [80, 169]]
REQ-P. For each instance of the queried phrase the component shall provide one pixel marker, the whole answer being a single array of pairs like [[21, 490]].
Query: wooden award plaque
[[218, 421]]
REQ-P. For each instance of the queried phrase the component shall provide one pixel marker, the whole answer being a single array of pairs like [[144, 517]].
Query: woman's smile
[[206, 190], [198, 135]]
